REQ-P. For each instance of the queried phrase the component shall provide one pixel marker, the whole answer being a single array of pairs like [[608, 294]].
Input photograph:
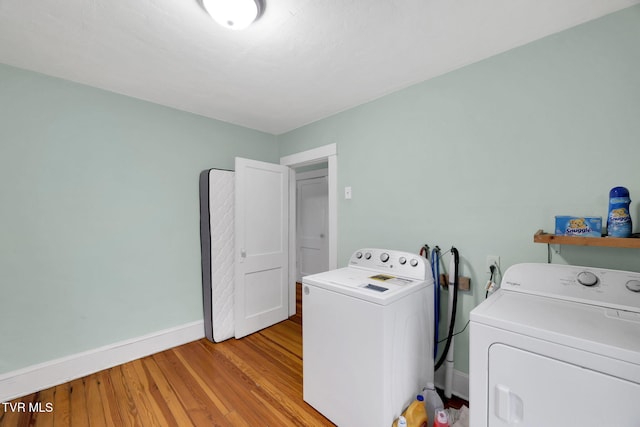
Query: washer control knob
[[633, 285], [587, 278], [358, 255], [367, 255], [414, 262], [384, 257], [402, 260]]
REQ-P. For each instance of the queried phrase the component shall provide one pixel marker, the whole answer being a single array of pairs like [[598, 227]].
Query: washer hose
[[435, 268], [456, 262]]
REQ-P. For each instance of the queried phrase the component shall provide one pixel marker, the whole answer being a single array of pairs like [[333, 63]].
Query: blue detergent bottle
[[619, 220]]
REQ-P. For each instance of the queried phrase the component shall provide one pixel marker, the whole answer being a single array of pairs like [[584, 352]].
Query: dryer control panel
[[395, 263], [597, 286]]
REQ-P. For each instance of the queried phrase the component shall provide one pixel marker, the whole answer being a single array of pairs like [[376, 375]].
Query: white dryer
[[367, 337], [557, 345]]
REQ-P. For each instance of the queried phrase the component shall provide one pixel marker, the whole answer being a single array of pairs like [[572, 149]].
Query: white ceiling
[[303, 60]]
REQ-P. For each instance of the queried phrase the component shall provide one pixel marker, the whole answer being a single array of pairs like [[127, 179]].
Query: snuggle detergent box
[[587, 226]]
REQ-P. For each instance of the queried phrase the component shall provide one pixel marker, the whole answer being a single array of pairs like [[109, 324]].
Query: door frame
[[326, 153]]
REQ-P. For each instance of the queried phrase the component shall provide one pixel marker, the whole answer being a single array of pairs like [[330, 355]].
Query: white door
[[312, 228], [261, 245]]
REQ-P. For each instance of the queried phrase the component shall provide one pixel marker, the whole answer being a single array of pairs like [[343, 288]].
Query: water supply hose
[[452, 319], [435, 269]]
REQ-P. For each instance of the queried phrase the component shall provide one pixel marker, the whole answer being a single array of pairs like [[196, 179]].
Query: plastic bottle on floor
[[400, 422], [442, 419], [432, 402], [415, 415]]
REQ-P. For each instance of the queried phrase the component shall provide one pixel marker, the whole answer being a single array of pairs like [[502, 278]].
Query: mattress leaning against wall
[[217, 245]]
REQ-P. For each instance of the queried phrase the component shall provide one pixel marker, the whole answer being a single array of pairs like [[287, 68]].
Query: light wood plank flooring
[[254, 381]]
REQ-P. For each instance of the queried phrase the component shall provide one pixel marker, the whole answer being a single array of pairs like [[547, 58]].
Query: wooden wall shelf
[[610, 242]]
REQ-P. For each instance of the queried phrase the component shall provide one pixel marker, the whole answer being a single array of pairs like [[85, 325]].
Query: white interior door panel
[[261, 233], [313, 226]]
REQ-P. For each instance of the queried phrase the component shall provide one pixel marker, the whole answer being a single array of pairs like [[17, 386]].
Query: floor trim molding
[[33, 378]]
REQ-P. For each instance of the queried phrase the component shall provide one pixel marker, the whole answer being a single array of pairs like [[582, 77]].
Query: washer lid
[[377, 287], [602, 330]]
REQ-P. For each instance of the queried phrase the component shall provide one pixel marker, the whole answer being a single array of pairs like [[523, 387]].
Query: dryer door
[[528, 389]]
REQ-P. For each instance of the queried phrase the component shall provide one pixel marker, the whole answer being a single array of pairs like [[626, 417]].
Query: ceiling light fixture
[[234, 14]]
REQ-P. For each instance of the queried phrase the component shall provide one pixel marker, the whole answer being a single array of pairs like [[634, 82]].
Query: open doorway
[[325, 155], [312, 220]]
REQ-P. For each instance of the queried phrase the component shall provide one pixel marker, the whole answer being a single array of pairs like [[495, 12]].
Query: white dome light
[[233, 14]]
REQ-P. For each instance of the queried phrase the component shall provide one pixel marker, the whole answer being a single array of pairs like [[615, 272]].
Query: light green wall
[[99, 204], [99, 218], [482, 157]]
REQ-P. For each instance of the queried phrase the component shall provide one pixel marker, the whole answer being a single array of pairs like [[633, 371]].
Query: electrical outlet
[[492, 260]]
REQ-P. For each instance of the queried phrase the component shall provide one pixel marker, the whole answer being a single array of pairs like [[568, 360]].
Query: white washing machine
[[367, 337], [557, 345]]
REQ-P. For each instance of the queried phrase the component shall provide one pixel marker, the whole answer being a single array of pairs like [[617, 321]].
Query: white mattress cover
[[221, 211]]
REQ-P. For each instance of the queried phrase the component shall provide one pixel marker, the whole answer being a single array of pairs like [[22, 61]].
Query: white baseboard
[[460, 386], [58, 371]]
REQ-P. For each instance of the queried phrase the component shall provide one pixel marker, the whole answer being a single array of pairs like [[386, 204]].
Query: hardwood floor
[[254, 381]]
